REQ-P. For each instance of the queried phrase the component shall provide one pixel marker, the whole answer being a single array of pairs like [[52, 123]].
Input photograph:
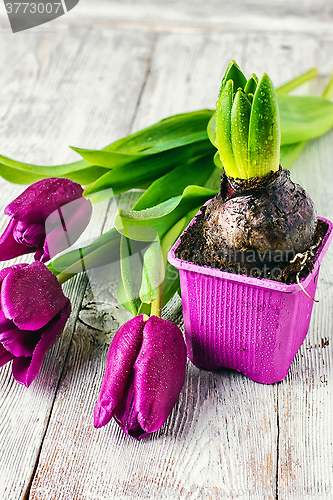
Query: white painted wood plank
[[221, 438], [203, 17], [282, 56], [185, 74], [82, 86], [196, 17], [305, 397], [88, 467], [73, 87]]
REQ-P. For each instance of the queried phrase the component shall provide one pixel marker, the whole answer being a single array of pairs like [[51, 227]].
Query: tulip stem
[[63, 277], [156, 305]]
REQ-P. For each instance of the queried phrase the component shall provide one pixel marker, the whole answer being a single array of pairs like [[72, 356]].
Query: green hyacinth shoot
[[247, 125]]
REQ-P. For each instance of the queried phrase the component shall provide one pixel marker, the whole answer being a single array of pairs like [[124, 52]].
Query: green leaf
[[240, 119], [141, 173], [296, 82], [264, 131], [169, 133], [217, 161], [171, 277], [171, 236], [156, 211], [123, 300], [107, 159], [138, 225], [127, 271], [171, 283], [211, 129], [250, 98], [182, 129], [153, 273], [328, 91], [214, 180], [223, 127], [196, 171], [303, 118], [102, 251], [290, 152], [26, 173], [233, 73], [251, 84]]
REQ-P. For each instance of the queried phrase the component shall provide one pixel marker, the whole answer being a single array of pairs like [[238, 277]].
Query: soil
[[193, 248]]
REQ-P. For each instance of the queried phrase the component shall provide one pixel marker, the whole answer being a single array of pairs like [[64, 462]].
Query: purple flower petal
[[9, 247], [123, 351], [31, 296], [25, 370], [125, 413], [5, 356], [27, 233], [65, 226], [16, 341], [159, 372], [19, 342], [7, 270], [5, 324], [42, 198]]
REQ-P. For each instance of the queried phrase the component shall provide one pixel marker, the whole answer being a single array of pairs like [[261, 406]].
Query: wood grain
[[197, 453], [205, 17], [52, 96], [85, 84], [305, 397]]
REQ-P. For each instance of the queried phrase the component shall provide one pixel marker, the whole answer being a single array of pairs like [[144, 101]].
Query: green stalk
[[328, 92], [296, 82], [156, 306]]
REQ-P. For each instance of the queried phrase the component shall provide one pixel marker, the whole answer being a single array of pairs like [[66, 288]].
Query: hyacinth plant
[[247, 125], [173, 162], [259, 215]]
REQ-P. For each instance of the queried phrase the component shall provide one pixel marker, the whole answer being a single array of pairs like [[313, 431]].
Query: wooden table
[[100, 72]]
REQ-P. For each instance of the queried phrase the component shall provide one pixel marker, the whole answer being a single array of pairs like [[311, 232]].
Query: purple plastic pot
[[254, 326]]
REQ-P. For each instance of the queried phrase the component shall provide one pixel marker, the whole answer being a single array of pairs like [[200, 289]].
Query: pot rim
[[183, 265]]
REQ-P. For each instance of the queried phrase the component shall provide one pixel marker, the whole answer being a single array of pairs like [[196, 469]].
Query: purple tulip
[[145, 371], [33, 314], [48, 217]]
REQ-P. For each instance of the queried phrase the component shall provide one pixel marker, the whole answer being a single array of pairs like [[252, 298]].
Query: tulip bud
[[145, 372], [55, 203], [33, 313]]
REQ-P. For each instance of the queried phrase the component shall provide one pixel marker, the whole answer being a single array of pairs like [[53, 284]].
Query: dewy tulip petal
[[29, 234], [33, 314], [9, 247], [159, 372], [122, 354], [26, 230], [31, 311], [5, 356], [25, 370], [152, 375], [43, 198]]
